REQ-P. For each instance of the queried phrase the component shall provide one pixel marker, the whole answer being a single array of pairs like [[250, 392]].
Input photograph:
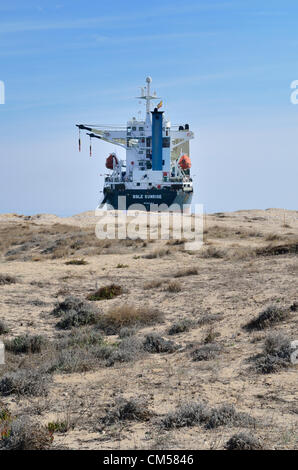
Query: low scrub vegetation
[[87, 349], [211, 335], [106, 292], [74, 312], [181, 326], [276, 354], [196, 414], [157, 253], [243, 441], [278, 249], [131, 409], [187, 414], [208, 318], [206, 352], [213, 252], [174, 287], [25, 382], [26, 344], [58, 426], [153, 284], [156, 344], [3, 328], [76, 262], [25, 434], [268, 317], [7, 279], [186, 272]]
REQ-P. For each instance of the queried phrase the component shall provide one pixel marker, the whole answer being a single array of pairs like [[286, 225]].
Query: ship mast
[[148, 97]]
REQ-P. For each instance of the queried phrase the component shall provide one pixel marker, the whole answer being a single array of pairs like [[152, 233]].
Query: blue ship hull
[[124, 199]]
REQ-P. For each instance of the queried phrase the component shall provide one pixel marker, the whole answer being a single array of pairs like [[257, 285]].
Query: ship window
[[150, 184], [163, 162], [134, 128], [166, 142], [141, 128], [138, 184]]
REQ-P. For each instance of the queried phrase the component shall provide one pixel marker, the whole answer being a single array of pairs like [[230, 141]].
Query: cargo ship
[[156, 171]]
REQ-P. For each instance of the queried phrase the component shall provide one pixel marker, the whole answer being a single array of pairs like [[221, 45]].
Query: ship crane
[[157, 166]]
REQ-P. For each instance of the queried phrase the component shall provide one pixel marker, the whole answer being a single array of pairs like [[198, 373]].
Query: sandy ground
[[238, 286]]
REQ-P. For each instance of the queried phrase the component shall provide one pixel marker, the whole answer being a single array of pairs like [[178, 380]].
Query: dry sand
[[238, 285]]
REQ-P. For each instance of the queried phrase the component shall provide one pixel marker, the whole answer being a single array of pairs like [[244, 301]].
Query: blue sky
[[224, 67]]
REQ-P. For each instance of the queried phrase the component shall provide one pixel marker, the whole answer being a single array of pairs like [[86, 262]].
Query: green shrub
[[106, 292], [26, 344]]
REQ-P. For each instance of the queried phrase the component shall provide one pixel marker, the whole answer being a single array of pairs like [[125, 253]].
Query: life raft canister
[[111, 161], [184, 162]]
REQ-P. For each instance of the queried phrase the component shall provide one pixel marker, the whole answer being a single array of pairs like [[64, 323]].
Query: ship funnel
[[157, 118]]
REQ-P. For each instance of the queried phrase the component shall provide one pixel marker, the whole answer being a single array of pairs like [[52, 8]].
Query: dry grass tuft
[[186, 272], [157, 254], [213, 252], [174, 287], [128, 316], [153, 284]]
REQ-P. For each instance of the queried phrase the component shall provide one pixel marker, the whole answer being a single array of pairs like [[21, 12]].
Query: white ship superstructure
[[157, 165]]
